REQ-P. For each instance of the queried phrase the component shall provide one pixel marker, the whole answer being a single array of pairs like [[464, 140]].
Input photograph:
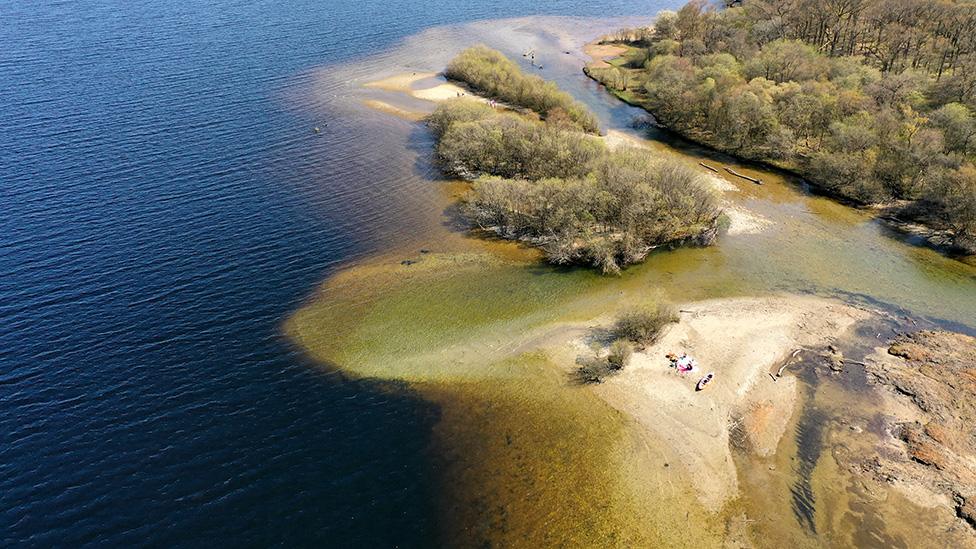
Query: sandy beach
[[599, 53], [741, 340]]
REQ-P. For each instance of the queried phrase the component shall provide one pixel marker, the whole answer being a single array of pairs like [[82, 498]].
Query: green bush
[[507, 145], [455, 111], [627, 205], [620, 354], [952, 200], [561, 190], [643, 325], [489, 73], [594, 369]]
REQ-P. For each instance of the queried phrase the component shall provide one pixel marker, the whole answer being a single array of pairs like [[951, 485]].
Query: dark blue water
[[162, 213]]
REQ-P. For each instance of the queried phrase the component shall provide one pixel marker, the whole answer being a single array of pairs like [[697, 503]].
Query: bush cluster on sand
[[489, 73], [596, 368], [620, 353], [640, 326], [563, 191], [643, 325], [508, 145], [876, 106]]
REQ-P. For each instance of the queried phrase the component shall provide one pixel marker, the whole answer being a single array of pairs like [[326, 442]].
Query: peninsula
[[561, 418]]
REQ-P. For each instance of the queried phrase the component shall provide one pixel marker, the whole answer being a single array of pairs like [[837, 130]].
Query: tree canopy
[[561, 190], [871, 100], [489, 73]]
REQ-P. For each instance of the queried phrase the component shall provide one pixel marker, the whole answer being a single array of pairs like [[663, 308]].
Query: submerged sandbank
[[494, 342]]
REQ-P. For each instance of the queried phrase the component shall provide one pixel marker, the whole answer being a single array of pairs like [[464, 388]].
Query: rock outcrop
[[936, 372]]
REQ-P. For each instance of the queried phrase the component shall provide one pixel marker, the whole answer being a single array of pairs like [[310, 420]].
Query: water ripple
[[163, 211]]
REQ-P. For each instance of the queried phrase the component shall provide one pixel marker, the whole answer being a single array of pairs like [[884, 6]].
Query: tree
[[954, 200], [787, 60], [957, 125]]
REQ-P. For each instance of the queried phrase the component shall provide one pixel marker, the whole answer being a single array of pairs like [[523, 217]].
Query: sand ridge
[[403, 82]]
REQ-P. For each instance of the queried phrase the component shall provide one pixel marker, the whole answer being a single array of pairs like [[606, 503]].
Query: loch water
[[167, 208], [164, 205]]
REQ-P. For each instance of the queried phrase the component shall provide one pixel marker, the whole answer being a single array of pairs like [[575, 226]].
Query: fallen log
[[707, 167], [787, 363], [743, 176]]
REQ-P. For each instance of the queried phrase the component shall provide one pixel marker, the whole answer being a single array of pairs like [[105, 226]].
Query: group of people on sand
[[684, 364]]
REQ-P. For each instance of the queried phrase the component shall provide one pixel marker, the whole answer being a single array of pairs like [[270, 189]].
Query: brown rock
[[938, 433], [938, 374], [921, 448]]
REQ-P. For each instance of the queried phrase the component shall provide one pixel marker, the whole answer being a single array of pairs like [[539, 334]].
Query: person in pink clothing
[[683, 364]]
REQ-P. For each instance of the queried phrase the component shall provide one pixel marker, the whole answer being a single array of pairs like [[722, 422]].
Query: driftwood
[[743, 176], [707, 167], [785, 364], [859, 363]]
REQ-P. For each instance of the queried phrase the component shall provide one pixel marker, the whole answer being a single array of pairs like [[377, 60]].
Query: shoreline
[[713, 441], [484, 331], [930, 236]]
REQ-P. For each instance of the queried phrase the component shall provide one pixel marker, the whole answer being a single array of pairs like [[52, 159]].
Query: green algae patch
[[436, 316], [448, 316]]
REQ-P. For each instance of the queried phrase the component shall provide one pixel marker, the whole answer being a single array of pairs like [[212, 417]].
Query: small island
[[873, 105], [541, 176]]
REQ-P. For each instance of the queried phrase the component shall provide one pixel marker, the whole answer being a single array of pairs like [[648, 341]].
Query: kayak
[[704, 381]]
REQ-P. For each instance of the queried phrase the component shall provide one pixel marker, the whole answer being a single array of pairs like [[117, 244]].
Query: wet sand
[[400, 82]]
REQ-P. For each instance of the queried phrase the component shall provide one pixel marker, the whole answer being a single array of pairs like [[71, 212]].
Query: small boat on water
[[704, 381]]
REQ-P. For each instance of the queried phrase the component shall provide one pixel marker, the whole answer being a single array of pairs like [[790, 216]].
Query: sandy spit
[[599, 53], [741, 340], [400, 82]]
